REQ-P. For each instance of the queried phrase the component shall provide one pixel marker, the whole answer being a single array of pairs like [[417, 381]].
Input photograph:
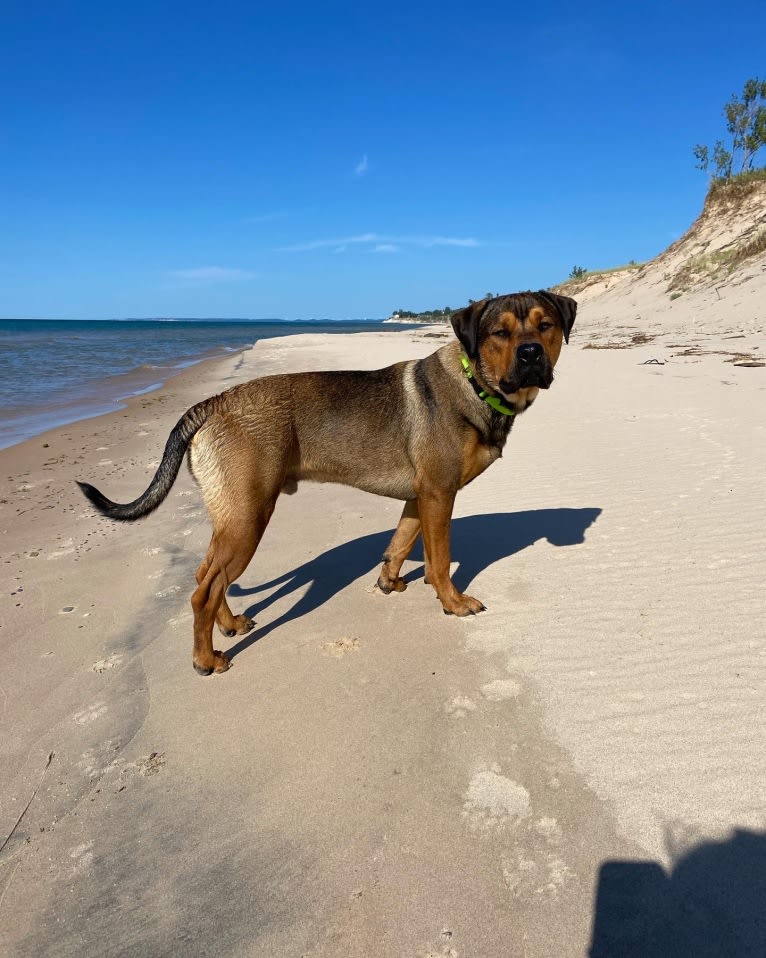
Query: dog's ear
[[566, 308], [465, 322]]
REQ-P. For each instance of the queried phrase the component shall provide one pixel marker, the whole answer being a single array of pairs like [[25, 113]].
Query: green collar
[[492, 401]]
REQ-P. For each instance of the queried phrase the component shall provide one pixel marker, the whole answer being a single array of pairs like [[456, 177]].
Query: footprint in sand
[[549, 829], [67, 548], [95, 763], [524, 875], [494, 801], [533, 865], [146, 765], [341, 647], [460, 706], [90, 714], [444, 949], [500, 690], [83, 858], [150, 764], [104, 665]]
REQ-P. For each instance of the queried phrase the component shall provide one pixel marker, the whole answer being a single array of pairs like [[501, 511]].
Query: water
[[54, 372]]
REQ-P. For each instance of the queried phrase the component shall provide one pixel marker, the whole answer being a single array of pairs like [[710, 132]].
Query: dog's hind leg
[[228, 623], [399, 548], [231, 549]]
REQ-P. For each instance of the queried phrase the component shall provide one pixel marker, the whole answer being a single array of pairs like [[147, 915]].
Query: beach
[[372, 777]]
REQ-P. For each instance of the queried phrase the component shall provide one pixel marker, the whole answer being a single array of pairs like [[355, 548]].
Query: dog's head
[[515, 340]]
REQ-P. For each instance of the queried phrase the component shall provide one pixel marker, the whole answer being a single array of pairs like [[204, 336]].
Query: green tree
[[746, 125], [578, 272]]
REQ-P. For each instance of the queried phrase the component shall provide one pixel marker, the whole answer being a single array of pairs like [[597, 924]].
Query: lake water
[[57, 371]]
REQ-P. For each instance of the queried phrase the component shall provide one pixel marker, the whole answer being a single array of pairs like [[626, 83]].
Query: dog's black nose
[[529, 354]]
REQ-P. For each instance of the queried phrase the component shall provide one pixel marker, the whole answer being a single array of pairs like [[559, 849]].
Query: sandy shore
[[580, 769]]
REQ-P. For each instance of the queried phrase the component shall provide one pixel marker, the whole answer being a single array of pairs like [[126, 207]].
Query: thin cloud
[[376, 239], [386, 248], [211, 274], [321, 244], [361, 167], [468, 241]]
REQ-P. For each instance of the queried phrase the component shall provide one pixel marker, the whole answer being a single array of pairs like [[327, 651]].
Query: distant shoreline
[[432, 321]]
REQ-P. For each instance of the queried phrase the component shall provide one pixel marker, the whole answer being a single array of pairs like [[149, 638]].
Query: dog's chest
[[478, 455], [499, 429]]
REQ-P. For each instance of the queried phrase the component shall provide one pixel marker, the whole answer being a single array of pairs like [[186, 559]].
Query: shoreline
[[158, 393], [157, 410], [113, 393], [109, 395]]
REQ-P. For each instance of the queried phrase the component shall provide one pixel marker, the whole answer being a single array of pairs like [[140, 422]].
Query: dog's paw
[[387, 585], [463, 605], [220, 663], [242, 625]]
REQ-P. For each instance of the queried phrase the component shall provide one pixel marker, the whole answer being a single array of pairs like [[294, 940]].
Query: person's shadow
[[477, 542], [711, 905]]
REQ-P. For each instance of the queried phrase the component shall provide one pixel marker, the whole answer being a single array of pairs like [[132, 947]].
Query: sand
[[578, 770]]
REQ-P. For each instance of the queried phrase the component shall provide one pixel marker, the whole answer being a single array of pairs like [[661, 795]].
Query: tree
[[746, 125], [578, 272]]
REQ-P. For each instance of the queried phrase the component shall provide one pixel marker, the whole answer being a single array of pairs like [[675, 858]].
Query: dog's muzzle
[[530, 369], [529, 355]]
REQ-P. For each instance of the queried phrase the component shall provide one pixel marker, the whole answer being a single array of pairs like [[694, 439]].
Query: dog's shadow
[[477, 542]]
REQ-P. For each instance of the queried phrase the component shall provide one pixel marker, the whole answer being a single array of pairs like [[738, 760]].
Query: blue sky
[[345, 159]]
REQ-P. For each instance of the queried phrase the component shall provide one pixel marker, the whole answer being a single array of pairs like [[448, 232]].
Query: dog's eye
[[501, 333], [544, 327]]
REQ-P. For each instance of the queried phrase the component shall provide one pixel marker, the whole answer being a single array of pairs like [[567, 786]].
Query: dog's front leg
[[435, 510], [399, 548]]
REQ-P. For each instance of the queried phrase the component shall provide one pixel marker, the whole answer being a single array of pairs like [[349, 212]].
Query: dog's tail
[[175, 448]]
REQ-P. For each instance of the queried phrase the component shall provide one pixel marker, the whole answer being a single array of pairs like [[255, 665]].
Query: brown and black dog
[[417, 431]]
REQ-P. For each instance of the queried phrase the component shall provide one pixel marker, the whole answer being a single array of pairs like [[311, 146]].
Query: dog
[[417, 431]]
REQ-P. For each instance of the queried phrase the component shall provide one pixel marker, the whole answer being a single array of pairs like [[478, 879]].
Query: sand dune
[[709, 284]]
